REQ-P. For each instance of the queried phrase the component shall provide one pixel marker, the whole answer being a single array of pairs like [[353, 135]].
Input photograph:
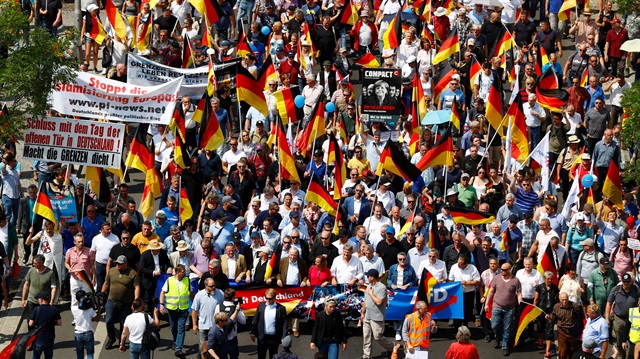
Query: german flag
[[210, 9], [449, 5], [441, 154], [406, 226], [152, 188], [211, 136], [612, 186], [449, 47], [97, 32], [186, 212], [504, 44], [590, 197], [287, 162], [119, 25], [306, 35], [470, 217], [187, 54], [584, 81], [433, 230], [548, 93], [456, 109], [203, 31], [335, 156], [528, 315], [271, 266], [420, 105], [139, 150], [425, 290], [414, 143], [99, 183], [180, 154], [17, 349], [349, 14], [267, 71], [84, 278], [144, 34], [494, 108], [177, 121], [272, 136], [541, 59], [285, 104], [565, 10], [505, 238], [424, 12], [547, 264], [475, 70], [368, 60], [249, 91], [43, 206], [519, 137], [442, 81], [393, 160], [343, 129], [243, 48], [392, 37], [314, 129], [316, 193], [211, 80]]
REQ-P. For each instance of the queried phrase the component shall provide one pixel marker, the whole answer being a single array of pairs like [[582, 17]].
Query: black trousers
[[268, 342], [469, 301]]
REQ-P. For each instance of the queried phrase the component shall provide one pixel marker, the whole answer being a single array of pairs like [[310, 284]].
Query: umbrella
[[631, 46], [436, 117]]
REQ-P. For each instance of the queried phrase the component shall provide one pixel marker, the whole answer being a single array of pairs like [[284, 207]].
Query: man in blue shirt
[[595, 90], [160, 225], [258, 49], [312, 13], [453, 91], [317, 166]]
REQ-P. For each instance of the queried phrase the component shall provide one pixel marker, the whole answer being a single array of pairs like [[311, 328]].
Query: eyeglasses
[[123, 238], [241, 167], [526, 185], [589, 38], [207, 248], [410, 234], [233, 144], [529, 84], [350, 108], [211, 286], [286, 242], [402, 259], [269, 298], [294, 237], [324, 238], [188, 225], [411, 201], [271, 85], [358, 191]]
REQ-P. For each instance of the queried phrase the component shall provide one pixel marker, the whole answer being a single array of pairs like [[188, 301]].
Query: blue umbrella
[[437, 117]]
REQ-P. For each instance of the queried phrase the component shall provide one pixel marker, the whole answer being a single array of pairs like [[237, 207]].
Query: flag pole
[[531, 153], [313, 146], [375, 201], [486, 150], [84, 195], [179, 200], [275, 148]]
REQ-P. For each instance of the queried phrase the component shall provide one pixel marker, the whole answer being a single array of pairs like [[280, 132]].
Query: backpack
[[151, 335], [260, 166]]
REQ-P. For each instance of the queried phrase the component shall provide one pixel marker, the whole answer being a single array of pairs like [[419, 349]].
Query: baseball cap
[[291, 54], [373, 273], [161, 214], [587, 242], [513, 218], [605, 262], [294, 214], [390, 230], [626, 277], [344, 232], [465, 175], [238, 221], [228, 199], [255, 37], [44, 295], [122, 259]]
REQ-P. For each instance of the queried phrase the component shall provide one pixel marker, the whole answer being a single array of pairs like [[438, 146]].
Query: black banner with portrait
[[381, 91]]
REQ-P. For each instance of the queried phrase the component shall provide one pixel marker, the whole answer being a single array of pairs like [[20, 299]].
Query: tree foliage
[[631, 127], [35, 61]]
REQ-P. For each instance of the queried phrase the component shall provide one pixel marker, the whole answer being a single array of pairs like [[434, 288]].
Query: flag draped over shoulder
[[528, 315], [319, 195], [470, 217], [612, 186], [97, 32], [393, 160]]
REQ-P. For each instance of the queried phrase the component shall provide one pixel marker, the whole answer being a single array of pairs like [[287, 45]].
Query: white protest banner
[[89, 143], [144, 72], [96, 97]]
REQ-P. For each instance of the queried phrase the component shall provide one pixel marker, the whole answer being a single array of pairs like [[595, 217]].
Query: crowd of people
[[245, 213]]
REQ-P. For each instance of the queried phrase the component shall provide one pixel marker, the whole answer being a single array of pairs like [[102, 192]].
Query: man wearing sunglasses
[[269, 325]]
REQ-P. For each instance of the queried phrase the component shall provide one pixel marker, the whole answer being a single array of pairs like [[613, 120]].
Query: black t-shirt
[[548, 40], [52, 7], [131, 252], [524, 32], [389, 252], [47, 316], [221, 280], [166, 24]]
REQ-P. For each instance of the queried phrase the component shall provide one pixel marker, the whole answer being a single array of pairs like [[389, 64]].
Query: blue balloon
[[330, 107], [587, 181], [266, 30], [299, 101]]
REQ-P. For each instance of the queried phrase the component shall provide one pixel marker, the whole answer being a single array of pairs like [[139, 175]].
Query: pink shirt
[[622, 262], [79, 261]]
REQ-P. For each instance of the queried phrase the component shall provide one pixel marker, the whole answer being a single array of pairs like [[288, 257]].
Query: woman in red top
[[462, 349], [319, 274]]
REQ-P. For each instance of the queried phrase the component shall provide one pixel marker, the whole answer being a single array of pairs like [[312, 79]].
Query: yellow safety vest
[[634, 331], [178, 299], [419, 330]]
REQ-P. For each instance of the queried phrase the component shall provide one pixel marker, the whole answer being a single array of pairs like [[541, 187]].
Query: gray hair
[[434, 250], [548, 274], [463, 336], [174, 228], [367, 247], [294, 249], [78, 235], [510, 196], [215, 262], [347, 246]]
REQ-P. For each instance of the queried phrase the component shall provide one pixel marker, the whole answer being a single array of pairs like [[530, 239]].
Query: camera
[[90, 300], [237, 301]]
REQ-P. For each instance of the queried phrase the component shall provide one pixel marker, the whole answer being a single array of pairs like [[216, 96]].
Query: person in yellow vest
[[634, 330], [174, 299], [417, 328]]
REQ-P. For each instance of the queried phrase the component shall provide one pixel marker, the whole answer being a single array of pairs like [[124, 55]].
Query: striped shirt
[[527, 201]]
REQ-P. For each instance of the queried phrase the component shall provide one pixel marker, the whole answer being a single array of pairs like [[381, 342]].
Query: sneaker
[[487, 339], [497, 344], [109, 344], [505, 352], [73, 323], [179, 354], [540, 344], [547, 355], [398, 337], [103, 73]]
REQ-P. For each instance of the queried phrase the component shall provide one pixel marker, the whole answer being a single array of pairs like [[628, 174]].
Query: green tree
[[631, 128], [33, 63]]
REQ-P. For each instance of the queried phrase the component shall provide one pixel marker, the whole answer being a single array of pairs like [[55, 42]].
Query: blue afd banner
[[446, 302]]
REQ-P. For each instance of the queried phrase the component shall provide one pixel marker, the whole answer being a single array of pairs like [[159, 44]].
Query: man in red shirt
[[612, 53], [578, 96], [291, 67]]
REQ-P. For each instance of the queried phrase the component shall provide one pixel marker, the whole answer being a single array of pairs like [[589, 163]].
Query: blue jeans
[[343, 37], [53, 30], [177, 320], [574, 255], [244, 10], [502, 323], [115, 314], [331, 349], [45, 348], [137, 352], [11, 208], [101, 274], [84, 341], [535, 136]]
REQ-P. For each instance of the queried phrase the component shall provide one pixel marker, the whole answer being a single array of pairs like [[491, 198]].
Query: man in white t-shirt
[[83, 314], [100, 249], [231, 157], [135, 325]]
